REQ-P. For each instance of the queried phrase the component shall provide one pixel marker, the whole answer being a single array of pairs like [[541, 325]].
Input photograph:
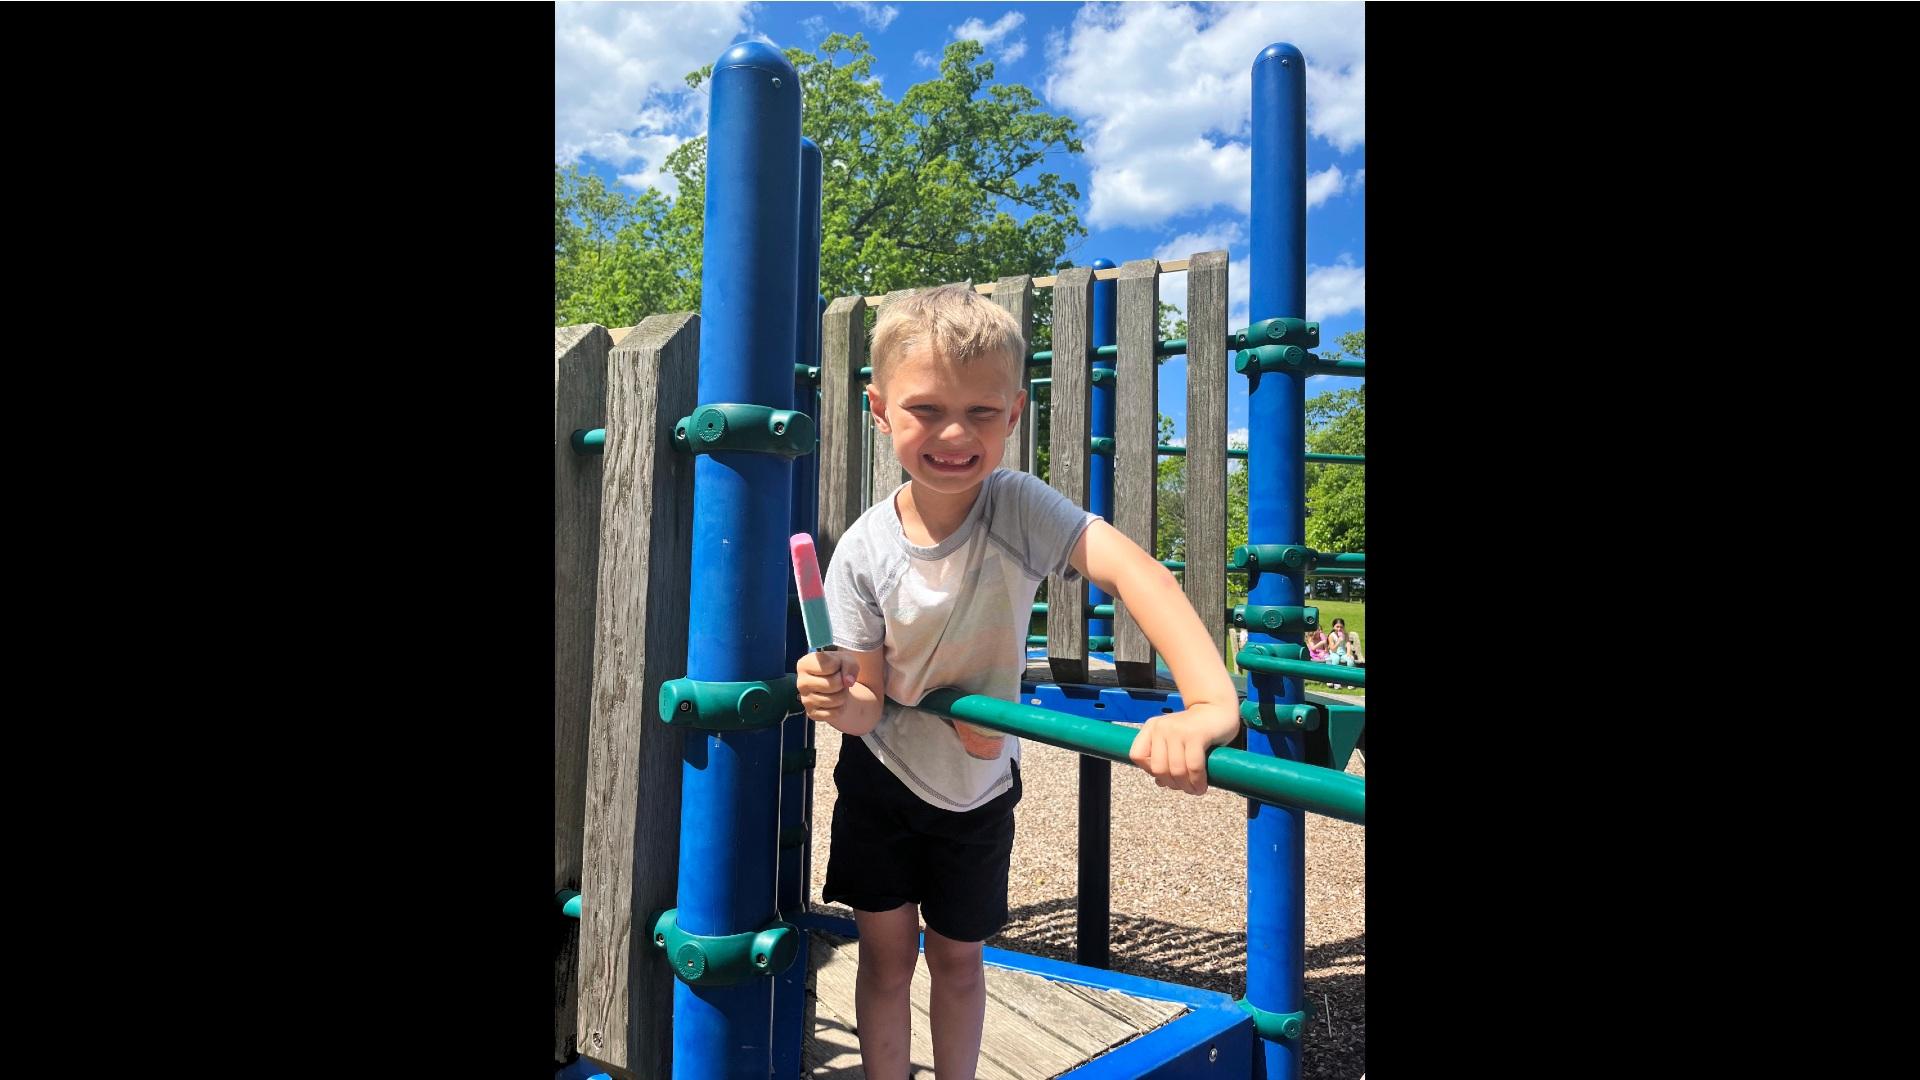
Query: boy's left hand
[[1174, 747]]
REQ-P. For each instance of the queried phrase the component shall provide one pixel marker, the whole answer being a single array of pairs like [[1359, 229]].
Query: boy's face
[[949, 421]]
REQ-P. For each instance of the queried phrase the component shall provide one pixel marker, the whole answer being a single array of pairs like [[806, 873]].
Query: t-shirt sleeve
[[853, 604], [1038, 524]]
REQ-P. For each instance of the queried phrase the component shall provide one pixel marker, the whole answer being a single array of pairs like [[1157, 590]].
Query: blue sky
[[1161, 92]]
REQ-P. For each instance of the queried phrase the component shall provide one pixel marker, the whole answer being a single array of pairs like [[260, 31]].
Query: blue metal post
[[1100, 486], [796, 732], [1093, 907], [1276, 514], [737, 625]]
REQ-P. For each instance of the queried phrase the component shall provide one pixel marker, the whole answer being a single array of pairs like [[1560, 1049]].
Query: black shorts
[[890, 847]]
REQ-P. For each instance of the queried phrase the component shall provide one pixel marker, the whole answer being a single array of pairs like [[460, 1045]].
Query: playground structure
[[687, 450]]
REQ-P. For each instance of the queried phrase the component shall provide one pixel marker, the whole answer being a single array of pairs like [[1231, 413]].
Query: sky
[[1161, 91]]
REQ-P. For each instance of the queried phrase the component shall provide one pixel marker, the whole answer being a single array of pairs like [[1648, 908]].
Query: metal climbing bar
[[1270, 780], [1302, 669]]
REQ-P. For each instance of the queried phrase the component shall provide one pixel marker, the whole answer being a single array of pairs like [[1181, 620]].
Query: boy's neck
[[929, 517]]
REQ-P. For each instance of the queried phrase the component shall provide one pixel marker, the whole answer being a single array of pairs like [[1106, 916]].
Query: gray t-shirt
[[951, 615]]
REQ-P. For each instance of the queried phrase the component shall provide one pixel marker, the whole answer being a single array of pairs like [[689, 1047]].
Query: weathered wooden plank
[[1069, 446], [579, 401], [1206, 573], [633, 772], [1016, 295], [1136, 431], [843, 352]]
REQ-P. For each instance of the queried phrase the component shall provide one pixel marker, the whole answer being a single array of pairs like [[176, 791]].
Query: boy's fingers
[[1197, 767]]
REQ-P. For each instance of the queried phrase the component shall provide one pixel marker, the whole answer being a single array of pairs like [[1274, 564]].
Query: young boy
[[933, 587]]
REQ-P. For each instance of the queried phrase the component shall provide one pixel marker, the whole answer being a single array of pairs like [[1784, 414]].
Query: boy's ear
[[879, 406], [1013, 414]]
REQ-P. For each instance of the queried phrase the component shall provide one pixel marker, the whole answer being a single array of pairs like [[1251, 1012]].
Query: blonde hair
[[959, 325]]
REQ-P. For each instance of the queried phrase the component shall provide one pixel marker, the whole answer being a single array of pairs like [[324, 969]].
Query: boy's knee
[[888, 968], [954, 961]]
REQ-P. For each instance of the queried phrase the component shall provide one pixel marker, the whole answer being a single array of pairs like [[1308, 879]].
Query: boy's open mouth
[[953, 463]]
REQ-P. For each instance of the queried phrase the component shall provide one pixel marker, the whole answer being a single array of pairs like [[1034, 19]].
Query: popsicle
[[813, 598]]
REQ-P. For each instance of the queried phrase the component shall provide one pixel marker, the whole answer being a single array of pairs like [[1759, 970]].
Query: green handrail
[[1257, 776]]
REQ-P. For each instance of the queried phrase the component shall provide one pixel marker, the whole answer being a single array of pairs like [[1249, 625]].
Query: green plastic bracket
[[1257, 559], [754, 429], [800, 762], [1102, 445], [1276, 619], [1279, 1027], [1252, 362], [1283, 332], [569, 901], [1103, 376], [724, 959], [808, 372], [728, 706], [1278, 649], [1277, 719]]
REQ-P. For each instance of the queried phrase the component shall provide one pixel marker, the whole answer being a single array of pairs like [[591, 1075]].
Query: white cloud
[[1172, 135], [1322, 186], [925, 59], [1335, 290], [991, 34], [816, 26], [1237, 438], [878, 16], [619, 89]]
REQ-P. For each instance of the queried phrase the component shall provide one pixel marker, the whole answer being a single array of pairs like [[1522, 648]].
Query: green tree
[[946, 184]]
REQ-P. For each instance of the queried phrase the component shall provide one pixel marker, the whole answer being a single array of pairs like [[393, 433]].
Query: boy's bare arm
[[1173, 748], [843, 688]]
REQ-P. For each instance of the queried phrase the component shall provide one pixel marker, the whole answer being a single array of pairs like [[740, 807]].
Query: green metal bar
[[1096, 611], [1169, 450], [1338, 459], [1340, 560], [1096, 642], [1257, 776], [1303, 669], [1164, 347]]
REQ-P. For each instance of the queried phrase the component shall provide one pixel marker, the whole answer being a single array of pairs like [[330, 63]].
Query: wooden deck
[[1035, 1028]]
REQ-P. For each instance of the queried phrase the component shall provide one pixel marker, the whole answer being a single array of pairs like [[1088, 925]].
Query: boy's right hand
[[822, 679]]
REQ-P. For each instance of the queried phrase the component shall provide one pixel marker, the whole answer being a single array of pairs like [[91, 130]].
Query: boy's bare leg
[[883, 989], [959, 1005]]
